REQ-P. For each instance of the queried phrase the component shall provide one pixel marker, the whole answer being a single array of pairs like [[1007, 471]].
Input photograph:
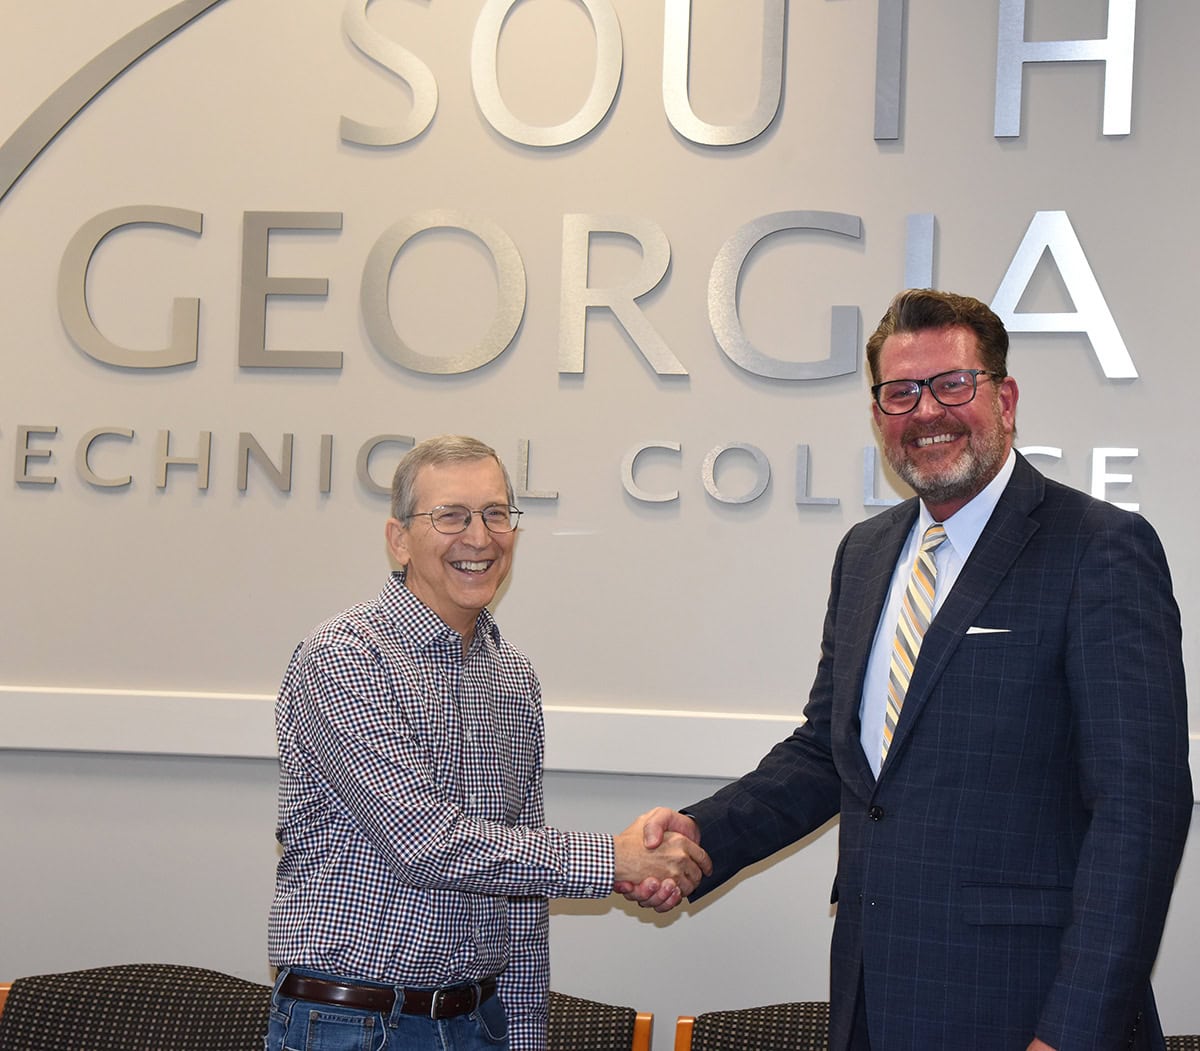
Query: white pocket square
[[976, 630]]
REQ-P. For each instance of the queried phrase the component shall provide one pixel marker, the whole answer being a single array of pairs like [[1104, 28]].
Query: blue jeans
[[304, 1025]]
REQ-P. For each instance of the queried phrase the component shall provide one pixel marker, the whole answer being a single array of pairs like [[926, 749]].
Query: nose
[[928, 407], [476, 534]]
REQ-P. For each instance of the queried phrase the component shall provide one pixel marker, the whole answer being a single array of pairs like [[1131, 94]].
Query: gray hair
[[446, 448]]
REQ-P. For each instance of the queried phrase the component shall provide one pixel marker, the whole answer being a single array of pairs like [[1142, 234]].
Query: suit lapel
[[860, 605], [1000, 544]]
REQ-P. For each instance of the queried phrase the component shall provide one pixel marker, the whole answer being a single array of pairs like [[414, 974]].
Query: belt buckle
[[435, 1001]]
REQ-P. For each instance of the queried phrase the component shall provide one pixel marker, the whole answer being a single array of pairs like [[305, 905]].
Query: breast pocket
[[982, 638], [998, 658]]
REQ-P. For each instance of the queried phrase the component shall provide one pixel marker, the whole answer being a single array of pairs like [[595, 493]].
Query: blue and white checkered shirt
[[415, 850]]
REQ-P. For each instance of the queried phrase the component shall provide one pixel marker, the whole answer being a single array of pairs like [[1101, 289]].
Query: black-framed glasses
[[454, 518], [956, 387]]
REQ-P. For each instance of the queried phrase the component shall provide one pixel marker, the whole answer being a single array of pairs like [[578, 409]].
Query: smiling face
[[454, 575], [946, 453]]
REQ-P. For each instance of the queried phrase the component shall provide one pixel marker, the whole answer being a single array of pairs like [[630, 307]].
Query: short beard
[[978, 464]]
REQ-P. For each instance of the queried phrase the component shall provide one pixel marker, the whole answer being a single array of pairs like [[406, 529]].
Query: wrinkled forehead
[[473, 483]]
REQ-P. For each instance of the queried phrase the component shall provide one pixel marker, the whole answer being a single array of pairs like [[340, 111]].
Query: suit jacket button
[[875, 813]]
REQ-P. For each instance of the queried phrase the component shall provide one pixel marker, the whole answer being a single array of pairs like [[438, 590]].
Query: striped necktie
[[915, 614]]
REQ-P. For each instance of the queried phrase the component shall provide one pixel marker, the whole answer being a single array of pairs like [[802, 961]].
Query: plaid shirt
[[415, 850]]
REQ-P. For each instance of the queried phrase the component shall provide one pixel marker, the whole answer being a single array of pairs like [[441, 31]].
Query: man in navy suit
[[1006, 859]]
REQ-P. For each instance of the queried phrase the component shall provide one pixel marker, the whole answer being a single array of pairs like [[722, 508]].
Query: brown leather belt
[[450, 1002]]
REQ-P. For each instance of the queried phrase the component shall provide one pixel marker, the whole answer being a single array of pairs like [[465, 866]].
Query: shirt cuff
[[590, 865]]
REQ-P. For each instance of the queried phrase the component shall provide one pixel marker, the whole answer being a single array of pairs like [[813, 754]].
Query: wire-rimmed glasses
[[455, 518]]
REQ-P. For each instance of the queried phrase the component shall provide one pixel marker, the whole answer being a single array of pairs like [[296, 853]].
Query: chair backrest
[[577, 1024], [148, 1007], [135, 1007], [780, 1027]]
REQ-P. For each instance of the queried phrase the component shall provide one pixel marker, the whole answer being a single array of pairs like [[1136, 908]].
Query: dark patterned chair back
[[577, 1024], [775, 1027], [135, 1007]]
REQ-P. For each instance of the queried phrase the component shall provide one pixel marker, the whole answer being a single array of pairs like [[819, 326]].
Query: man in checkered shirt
[[410, 909]]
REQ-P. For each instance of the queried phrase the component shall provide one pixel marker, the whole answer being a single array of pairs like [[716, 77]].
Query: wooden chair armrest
[[683, 1032], [643, 1026]]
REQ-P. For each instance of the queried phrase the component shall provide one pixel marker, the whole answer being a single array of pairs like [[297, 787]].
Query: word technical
[[34, 466]]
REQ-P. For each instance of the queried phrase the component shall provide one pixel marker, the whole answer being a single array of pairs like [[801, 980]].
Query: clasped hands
[[658, 859]]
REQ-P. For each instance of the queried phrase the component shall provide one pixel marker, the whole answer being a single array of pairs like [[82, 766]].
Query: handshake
[[658, 859]]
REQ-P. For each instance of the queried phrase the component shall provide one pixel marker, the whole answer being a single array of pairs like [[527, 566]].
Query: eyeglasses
[[957, 387], [454, 518]]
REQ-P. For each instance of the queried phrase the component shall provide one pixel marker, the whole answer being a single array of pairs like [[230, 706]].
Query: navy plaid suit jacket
[[1009, 872]]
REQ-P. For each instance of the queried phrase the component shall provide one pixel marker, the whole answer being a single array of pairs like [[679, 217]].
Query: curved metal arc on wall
[[42, 126]]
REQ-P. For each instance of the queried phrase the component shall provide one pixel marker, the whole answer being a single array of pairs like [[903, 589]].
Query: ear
[[1008, 395], [397, 540]]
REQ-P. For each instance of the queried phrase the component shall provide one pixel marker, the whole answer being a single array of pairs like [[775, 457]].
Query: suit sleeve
[[793, 791], [1124, 670]]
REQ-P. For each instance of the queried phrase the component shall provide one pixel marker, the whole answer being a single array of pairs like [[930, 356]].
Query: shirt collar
[[966, 524], [420, 623]]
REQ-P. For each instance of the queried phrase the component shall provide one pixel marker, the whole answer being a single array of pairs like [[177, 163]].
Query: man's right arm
[[353, 740], [792, 792]]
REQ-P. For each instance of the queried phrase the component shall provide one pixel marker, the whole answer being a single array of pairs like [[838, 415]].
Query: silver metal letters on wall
[[581, 293], [1013, 51]]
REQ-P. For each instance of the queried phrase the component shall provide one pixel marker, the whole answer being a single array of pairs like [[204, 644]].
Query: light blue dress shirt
[[962, 531]]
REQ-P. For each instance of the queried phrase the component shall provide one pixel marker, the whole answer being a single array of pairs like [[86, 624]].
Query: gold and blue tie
[[915, 614]]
